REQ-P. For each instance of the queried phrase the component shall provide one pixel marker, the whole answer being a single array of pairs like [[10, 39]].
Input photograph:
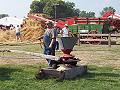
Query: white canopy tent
[[11, 20]]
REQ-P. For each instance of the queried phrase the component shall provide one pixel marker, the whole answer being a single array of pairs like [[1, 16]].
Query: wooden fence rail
[[98, 38]]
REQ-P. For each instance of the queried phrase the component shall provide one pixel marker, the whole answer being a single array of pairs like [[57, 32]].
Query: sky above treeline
[[20, 8]]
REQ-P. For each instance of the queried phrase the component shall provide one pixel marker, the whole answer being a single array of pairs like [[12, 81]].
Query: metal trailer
[[101, 25], [89, 24], [95, 26]]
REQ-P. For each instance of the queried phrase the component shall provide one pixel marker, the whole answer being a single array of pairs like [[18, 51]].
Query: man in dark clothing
[[49, 41]]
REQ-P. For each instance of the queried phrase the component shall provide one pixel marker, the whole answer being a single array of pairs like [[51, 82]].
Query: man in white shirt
[[65, 31], [17, 28]]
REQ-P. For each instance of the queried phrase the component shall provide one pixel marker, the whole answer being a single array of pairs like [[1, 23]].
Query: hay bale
[[31, 30]]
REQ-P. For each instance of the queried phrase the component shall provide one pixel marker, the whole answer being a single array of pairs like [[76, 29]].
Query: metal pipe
[[55, 11]]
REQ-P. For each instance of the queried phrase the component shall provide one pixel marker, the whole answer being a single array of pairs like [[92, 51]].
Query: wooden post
[[78, 35], [37, 54], [109, 40]]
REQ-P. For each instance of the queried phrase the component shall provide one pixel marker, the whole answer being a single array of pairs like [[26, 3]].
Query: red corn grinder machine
[[66, 45], [65, 67]]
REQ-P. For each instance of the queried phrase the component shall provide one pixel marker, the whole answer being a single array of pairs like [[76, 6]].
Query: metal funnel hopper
[[66, 45], [67, 42]]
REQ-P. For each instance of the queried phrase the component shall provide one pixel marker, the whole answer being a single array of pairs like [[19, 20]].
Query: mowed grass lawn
[[22, 77]]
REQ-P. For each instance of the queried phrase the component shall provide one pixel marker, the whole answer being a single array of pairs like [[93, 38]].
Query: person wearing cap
[[66, 31], [49, 41]]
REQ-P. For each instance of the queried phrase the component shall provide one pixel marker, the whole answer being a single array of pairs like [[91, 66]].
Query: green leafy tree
[[91, 14], [63, 9], [3, 15], [86, 14], [37, 7], [76, 12], [107, 9]]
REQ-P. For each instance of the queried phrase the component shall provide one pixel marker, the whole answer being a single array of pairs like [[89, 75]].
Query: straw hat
[[66, 25]]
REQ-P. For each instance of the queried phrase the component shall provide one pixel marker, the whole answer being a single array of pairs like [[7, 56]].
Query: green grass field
[[22, 77]]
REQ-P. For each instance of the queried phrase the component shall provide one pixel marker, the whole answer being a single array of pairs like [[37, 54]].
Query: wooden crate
[[69, 73]]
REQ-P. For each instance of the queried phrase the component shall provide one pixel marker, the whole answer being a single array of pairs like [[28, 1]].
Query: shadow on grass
[[101, 74], [109, 77], [5, 73], [94, 74]]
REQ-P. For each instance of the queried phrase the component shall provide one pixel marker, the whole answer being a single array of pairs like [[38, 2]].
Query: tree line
[[62, 9]]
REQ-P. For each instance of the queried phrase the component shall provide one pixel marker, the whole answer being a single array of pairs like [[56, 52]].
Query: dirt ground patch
[[89, 55], [99, 58], [21, 59]]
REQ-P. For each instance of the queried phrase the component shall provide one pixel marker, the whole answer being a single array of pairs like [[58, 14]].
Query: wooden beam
[[106, 35], [37, 54], [95, 40]]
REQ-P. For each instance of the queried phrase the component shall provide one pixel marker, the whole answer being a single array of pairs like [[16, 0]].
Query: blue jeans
[[57, 45], [47, 50]]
